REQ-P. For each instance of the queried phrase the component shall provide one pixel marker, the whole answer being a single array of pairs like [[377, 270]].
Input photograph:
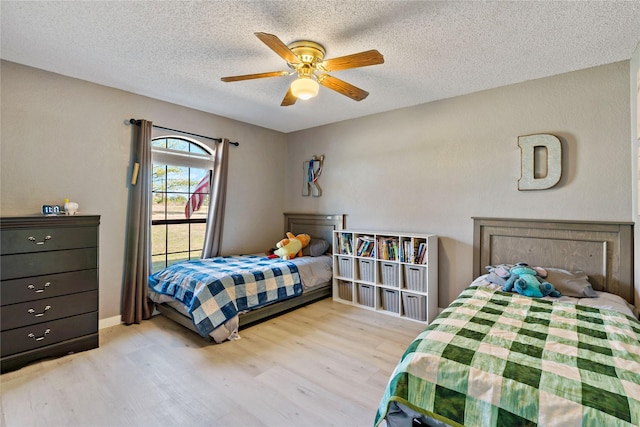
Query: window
[[180, 200]]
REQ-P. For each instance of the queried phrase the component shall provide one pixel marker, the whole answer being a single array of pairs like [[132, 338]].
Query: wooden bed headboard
[[315, 225], [603, 250]]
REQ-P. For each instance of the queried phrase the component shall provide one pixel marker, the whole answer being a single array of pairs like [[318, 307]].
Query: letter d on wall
[[541, 160]]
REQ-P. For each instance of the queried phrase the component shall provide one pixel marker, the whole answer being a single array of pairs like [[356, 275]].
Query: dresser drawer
[[51, 285], [44, 334], [27, 240], [38, 264], [32, 312]]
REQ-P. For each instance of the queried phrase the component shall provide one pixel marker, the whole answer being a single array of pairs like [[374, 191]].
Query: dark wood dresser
[[48, 287]]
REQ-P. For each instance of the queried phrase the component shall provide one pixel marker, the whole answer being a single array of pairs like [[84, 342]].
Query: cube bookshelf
[[394, 273]]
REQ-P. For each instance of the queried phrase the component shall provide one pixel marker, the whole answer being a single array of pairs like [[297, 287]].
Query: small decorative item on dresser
[[70, 208], [51, 209]]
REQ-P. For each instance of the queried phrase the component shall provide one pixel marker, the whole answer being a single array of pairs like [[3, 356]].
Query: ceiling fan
[[306, 59]]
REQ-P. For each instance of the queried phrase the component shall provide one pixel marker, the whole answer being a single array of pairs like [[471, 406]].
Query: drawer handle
[[33, 239], [39, 338], [31, 311], [39, 291]]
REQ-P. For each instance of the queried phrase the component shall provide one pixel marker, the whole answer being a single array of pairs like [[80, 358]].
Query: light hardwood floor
[[325, 364]]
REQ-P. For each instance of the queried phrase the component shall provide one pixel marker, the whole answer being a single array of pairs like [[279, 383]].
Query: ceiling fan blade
[[289, 99], [255, 76], [278, 47], [342, 87], [362, 59]]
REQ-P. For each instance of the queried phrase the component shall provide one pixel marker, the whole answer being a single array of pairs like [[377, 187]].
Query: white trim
[[182, 159], [169, 156], [108, 322]]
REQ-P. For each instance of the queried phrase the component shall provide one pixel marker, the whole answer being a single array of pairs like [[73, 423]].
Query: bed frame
[[316, 225], [603, 250]]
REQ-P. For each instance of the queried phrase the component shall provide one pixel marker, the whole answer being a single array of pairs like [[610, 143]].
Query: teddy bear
[[529, 281], [292, 246]]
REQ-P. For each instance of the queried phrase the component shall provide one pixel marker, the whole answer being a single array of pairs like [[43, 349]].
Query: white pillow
[[571, 284], [609, 301]]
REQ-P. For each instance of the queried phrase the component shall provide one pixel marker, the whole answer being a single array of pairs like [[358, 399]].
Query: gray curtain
[[135, 306], [217, 196]]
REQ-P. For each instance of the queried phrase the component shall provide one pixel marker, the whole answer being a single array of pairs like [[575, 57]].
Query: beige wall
[[432, 167], [63, 137], [634, 85], [428, 168]]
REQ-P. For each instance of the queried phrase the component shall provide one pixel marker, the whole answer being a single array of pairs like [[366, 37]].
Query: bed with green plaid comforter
[[500, 359]]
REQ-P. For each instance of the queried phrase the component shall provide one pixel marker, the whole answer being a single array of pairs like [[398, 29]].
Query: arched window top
[[175, 143], [182, 151]]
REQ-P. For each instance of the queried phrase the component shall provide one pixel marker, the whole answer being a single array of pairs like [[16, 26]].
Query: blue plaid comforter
[[216, 289]]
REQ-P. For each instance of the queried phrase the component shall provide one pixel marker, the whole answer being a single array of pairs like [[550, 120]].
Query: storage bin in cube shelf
[[366, 269], [390, 300], [414, 278], [345, 290], [414, 306], [344, 267], [365, 294], [389, 273]]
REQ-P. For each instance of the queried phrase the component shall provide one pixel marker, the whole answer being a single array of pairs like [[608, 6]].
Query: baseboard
[[109, 321]]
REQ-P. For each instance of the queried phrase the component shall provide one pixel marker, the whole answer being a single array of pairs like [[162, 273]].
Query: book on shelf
[[422, 251], [365, 246], [388, 247], [407, 252], [345, 243]]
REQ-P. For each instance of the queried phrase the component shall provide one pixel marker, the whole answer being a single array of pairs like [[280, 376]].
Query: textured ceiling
[[177, 51]]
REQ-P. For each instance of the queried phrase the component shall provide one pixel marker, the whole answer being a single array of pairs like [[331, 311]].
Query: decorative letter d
[[550, 168]]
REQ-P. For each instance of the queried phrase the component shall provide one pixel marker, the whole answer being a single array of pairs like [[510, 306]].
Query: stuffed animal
[[498, 274], [548, 289], [291, 247], [521, 278], [524, 280]]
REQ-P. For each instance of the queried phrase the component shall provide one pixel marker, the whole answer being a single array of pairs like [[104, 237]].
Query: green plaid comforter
[[495, 358]]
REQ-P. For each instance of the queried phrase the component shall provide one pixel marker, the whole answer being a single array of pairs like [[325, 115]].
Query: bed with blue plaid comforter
[[215, 290], [500, 359]]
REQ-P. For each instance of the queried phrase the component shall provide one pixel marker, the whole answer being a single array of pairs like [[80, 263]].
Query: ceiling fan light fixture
[[306, 59], [304, 88]]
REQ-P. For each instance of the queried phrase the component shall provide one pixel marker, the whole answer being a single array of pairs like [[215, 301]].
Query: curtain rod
[[137, 123]]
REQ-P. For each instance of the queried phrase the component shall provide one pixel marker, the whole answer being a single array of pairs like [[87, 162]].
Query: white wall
[[634, 85], [432, 167], [63, 137]]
